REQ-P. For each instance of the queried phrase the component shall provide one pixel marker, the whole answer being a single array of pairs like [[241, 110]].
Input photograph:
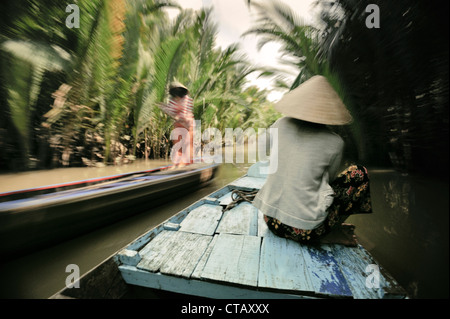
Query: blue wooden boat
[[37, 217], [205, 252]]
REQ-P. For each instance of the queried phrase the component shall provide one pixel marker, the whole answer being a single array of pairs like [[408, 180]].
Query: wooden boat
[[35, 218], [204, 252]]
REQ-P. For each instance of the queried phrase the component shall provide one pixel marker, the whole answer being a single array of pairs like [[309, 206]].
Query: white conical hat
[[177, 85], [315, 101]]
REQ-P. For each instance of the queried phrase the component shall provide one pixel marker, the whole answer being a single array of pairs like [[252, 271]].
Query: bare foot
[[344, 235]]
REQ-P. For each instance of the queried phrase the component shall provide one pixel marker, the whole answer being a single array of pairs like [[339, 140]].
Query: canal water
[[407, 233]]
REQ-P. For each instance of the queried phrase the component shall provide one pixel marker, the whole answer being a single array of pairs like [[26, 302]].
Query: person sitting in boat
[[180, 108], [306, 200]]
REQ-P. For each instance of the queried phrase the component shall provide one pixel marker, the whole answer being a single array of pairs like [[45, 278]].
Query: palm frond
[[39, 55], [276, 22], [161, 74]]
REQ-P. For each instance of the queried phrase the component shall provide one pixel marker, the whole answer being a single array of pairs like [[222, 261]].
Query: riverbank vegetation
[[89, 95], [393, 79], [80, 96]]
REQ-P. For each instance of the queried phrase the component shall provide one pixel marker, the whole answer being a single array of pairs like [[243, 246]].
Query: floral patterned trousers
[[352, 196]]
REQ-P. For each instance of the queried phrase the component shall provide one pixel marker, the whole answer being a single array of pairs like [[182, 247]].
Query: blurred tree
[[301, 45], [186, 51], [276, 21], [396, 76], [77, 96], [23, 67], [394, 79]]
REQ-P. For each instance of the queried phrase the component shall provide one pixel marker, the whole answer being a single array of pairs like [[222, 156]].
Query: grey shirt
[[298, 193]]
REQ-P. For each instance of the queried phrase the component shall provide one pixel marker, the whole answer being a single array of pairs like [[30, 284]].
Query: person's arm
[[186, 115], [169, 109]]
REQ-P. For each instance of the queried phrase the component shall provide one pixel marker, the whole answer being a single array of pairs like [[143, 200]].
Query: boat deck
[[204, 252]]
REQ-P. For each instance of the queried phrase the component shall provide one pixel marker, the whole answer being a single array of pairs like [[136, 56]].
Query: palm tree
[[301, 46], [139, 72], [300, 42], [105, 78], [186, 52], [33, 44], [81, 55]]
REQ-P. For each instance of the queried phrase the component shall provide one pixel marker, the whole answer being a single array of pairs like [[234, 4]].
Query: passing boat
[[220, 247], [35, 218]]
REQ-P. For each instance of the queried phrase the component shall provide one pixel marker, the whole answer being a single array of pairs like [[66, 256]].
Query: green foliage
[[393, 79], [396, 78], [277, 22], [109, 75]]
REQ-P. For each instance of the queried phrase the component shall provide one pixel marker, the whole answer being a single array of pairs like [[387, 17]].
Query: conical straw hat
[[174, 86], [315, 101]]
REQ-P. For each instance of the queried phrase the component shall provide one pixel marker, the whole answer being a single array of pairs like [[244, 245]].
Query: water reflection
[[87, 251], [408, 232]]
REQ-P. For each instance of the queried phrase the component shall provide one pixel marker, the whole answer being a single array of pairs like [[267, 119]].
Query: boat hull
[[28, 225], [204, 251]]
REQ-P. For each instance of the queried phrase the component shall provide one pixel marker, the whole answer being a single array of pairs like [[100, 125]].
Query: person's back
[[303, 200], [309, 156]]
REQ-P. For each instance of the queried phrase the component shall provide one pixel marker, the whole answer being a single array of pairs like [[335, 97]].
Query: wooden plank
[[325, 273], [174, 253], [197, 274], [234, 259], [202, 220], [155, 252], [176, 219], [200, 288], [354, 262], [282, 265], [353, 268], [263, 230], [171, 226], [185, 255], [248, 183], [254, 222], [179, 217], [128, 257], [240, 220], [225, 199]]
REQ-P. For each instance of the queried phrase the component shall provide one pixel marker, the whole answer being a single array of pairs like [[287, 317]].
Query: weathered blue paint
[[247, 257], [325, 272], [199, 288]]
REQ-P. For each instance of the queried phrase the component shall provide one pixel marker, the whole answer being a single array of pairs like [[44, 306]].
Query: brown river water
[[407, 233]]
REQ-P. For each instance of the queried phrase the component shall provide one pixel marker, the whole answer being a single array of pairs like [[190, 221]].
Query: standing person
[[180, 108], [306, 200]]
